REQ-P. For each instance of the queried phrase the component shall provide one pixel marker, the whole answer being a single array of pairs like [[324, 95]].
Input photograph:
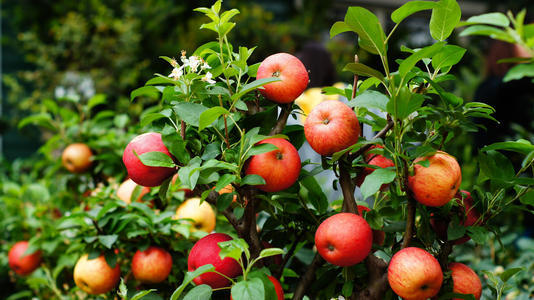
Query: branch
[[410, 223], [443, 255], [308, 277], [347, 187], [282, 119], [288, 255], [378, 280], [379, 135], [228, 213]]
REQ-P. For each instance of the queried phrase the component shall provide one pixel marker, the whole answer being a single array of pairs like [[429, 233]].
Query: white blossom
[[207, 78], [205, 66], [176, 73], [194, 62]]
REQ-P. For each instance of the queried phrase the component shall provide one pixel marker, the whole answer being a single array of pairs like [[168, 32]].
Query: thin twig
[[282, 119], [380, 134], [288, 255]]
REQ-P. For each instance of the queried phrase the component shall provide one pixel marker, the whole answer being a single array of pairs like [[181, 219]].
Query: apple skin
[[292, 73], [374, 160], [414, 274], [331, 126], [437, 184], [152, 265], [344, 239], [279, 168], [277, 287], [139, 173], [76, 158], [378, 235], [206, 251], [20, 263], [125, 190], [95, 276], [465, 280], [202, 215], [467, 213]]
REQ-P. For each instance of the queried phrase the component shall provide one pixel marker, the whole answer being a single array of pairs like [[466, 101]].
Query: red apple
[[414, 274], [206, 251], [76, 158], [292, 73], [436, 184], [374, 160], [279, 168], [95, 276], [378, 235], [465, 280], [141, 174], [152, 265], [331, 126], [277, 287], [20, 263], [344, 239], [467, 213]]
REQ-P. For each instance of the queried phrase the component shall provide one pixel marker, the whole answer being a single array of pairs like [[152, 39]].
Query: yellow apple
[[76, 158], [125, 190], [95, 276], [202, 215]]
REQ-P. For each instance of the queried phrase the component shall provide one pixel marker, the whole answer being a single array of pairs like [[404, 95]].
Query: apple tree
[[218, 133]]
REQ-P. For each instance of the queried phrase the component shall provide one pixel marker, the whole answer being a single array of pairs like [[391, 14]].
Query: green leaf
[[271, 252], [490, 31], [455, 230], [108, 240], [250, 289], [361, 69], [260, 149], [148, 91], [445, 16], [123, 290], [189, 276], [253, 85], [426, 52], [96, 100], [347, 288], [156, 159], [339, 27], [370, 99], [495, 18], [496, 166], [189, 112], [43, 119], [506, 275], [407, 103], [150, 117], [374, 181], [201, 292], [519, 71], [368, 28], [209, 116], [233, 249], [141, 294], [175, 144], [521, 146], [316, 196], [224, 181], [252, 179], [478, 234], [448, 56], [410, 8]]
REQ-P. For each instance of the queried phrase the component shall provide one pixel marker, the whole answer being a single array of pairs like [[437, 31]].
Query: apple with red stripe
[[293, 77]]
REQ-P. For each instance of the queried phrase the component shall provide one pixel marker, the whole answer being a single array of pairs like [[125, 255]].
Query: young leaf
[[361, 69], [253, 85], [506, 275], [490, 31], [339, 27], [368, 28], [189, 276], [201, 292], [426, 52], [156, 159], [250, 289], [519, 71], [496, 18], [444, 18], [271, 252], [209, 116], [234, 249], [141, 294], [448, 56], [374, 181], [410, 8]]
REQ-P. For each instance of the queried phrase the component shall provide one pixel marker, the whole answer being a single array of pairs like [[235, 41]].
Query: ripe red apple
[[436, 184], [141, 174], [206, 251], [76, 158], [465, 280], [279, 168], [126, 189], [374, 160], [378, 235], [292, 73], [414, 274], [331, 126], [467, 213], [277, 287], [20, 263], [95, 276], [152, 265], [344, 239]]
